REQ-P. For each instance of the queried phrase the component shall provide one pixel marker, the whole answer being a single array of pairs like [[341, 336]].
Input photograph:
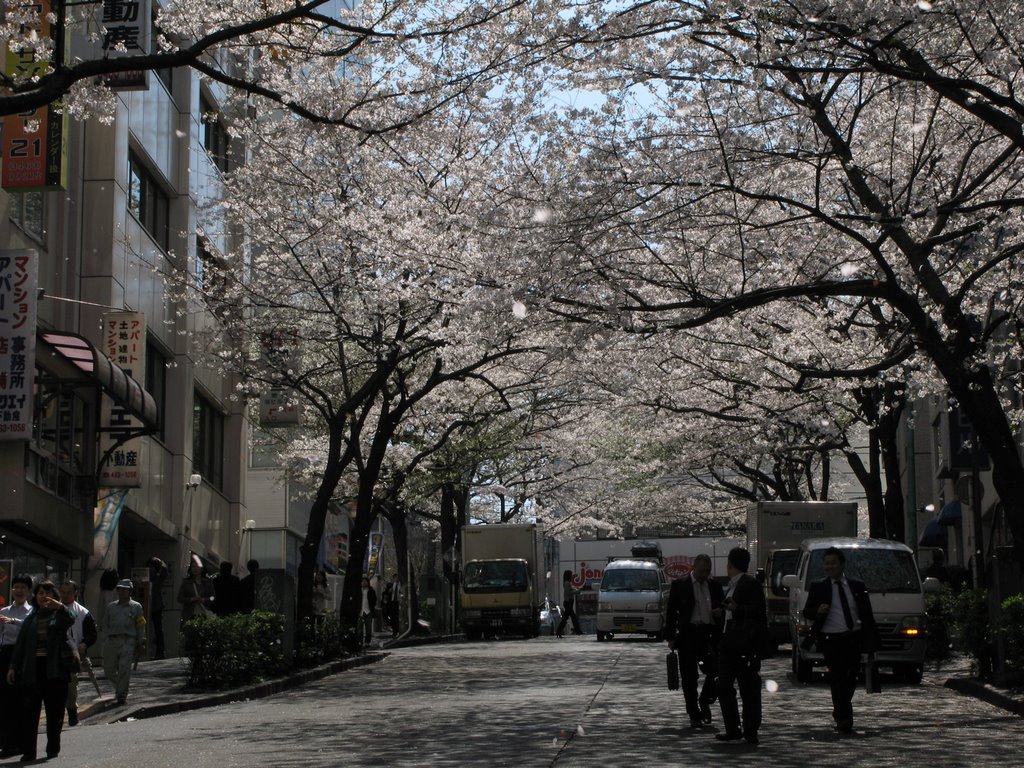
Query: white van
[[631, 599], [889, 571]]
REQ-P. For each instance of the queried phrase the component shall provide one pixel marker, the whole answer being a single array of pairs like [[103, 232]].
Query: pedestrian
[[108, 587], [844, 628], [938, 569], [321, 591], [41, 664], [124, 635], [739, 658], [12, 617], [158, 574], [227, 589], [367, 605], [693, 628], [568, 605], [81, 636], [247, 588], [391, 601], [195, 594]]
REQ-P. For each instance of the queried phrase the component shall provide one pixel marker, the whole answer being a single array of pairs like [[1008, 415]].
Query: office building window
[[148, 201], [156, 382], [26, 210], [208, 441], [216, 139]]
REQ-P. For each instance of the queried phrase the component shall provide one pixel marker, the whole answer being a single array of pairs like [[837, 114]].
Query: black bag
[[809, 642], [672, 668], [872, 679]]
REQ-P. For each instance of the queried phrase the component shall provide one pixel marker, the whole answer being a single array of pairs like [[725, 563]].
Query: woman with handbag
[[196, 594]]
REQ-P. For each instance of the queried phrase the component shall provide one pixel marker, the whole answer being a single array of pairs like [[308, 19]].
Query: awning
[[97, 367], [950, 514], [934, 535]]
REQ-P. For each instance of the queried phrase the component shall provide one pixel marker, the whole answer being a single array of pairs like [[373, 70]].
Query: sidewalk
[[962, 681], [158, 687]]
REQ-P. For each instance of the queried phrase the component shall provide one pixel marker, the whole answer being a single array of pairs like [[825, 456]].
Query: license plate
[[628, 627], [495, 622]]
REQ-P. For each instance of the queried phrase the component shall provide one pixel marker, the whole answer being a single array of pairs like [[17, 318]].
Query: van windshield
[[495, 576], [881, 570], [630, 580]]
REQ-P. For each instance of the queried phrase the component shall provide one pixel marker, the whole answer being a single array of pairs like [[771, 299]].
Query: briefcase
[[672, 668], [872, 679]]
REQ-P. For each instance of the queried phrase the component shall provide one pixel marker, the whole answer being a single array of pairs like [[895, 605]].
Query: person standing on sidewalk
[[568, 605], [42, 664], [367, 605], [11, 619], [227, 590], [196, 594], [158, 574], [391, 601], [845, 627], [692, 629], [739, 657], [81, 635], [124, 634]]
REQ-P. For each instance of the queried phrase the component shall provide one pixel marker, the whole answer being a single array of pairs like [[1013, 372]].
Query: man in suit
[[692, 628], [739, 660], [844, 628]]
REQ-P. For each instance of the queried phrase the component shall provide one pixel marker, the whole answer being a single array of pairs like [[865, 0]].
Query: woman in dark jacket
[[42, 664], [568, 605]]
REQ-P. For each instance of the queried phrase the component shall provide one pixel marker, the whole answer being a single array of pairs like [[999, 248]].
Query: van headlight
[[911, 626], [652, 608]]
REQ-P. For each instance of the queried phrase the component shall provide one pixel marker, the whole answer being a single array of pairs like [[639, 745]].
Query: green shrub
[[229, 651], [320, 642], [967, 613], [1011, 627]]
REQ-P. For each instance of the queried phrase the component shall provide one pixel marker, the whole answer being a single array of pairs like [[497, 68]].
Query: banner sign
[[373, 566], [126, 31], [124, 342], [35, 146], [17, 342], [105, 517]]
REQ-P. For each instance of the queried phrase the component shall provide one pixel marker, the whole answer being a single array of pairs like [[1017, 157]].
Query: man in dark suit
[[743, 641], [692, 628], [844, 628]]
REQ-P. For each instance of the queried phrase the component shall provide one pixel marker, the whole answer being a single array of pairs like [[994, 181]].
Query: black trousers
[[744, 672], [157, 621], [52, 694], [696, 651], [842, 657], [10, 705], [569, 612]]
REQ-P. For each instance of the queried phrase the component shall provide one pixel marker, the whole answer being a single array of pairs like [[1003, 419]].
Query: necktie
[[846, 605]]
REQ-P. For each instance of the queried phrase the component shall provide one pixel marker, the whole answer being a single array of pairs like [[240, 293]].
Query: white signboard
[[125, 32], [17, 342], [124, 342]]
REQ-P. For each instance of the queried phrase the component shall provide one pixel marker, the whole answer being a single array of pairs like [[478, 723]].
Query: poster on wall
[[124, 342], [17, 342]]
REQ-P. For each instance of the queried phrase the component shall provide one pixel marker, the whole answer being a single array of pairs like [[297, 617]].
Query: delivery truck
[[503, 579], [775, 530]]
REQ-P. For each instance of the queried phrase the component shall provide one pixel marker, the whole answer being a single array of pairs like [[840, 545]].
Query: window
[[216, 139], [156, 382], [148, 201], [208, 442], [61, 431], [26, 210]]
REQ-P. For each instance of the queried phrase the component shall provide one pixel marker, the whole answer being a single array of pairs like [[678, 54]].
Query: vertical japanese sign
[[124, 342], [126, 31], [373, 556], [17, 342], [35, 145]]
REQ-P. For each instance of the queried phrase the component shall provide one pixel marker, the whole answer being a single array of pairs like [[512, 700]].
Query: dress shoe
[[705, 715], [751, 737], [5, 753], [696, 722], [729, 736], [845, 726], [27, 759]]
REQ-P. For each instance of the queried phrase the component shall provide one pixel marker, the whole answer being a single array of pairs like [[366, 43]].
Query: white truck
[[586, 560], [503, 578], [774, 532]]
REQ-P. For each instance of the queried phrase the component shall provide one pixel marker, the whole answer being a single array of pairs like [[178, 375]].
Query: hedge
[[230, 651]]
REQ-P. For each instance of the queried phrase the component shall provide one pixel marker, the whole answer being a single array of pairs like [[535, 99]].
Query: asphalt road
[[547, 702]]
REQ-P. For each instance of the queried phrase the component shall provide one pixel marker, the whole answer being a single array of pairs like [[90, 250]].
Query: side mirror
[[791, 581], [931, 584], [760, 575]]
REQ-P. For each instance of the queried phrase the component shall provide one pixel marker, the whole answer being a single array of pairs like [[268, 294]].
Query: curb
[[414, 640], [201, 700], [987, 693]]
